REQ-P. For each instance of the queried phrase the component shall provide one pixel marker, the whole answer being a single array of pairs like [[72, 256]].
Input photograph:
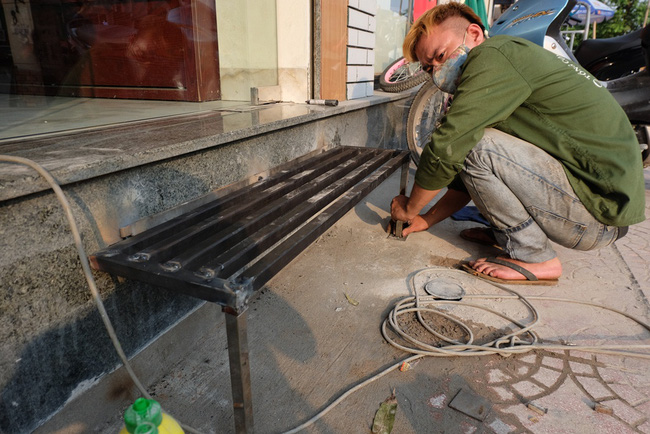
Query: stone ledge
[[86, 154]]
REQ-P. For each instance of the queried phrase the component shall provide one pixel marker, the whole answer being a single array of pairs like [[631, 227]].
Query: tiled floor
[[635, 246]]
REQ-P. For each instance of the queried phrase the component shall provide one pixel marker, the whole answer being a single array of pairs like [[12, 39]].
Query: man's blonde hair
[[435, 17]]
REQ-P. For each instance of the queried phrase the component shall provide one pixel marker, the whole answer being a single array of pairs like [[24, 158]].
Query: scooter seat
[[593, 49]]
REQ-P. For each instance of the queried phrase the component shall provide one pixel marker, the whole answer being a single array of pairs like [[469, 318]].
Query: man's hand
[[418, 224], [406, 208], [398, 212], [398, 208]]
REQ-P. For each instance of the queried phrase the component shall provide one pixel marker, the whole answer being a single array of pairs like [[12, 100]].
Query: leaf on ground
[[385, 416], [352, 301]]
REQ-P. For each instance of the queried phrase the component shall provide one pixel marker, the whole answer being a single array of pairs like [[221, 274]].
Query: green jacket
[[518, 87]]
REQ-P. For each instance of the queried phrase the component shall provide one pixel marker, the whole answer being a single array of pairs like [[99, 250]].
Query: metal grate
[[227, 249]]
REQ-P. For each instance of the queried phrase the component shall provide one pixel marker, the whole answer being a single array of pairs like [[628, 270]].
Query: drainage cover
[[444, 289], [471, 404]]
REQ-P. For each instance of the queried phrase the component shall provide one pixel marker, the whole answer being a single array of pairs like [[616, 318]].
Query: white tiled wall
[[361, 43]]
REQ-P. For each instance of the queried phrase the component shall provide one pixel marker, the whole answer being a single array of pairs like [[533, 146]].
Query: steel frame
[[226, 250]]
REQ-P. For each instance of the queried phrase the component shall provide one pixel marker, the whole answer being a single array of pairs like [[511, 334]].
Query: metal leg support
[[403, 182], [240, 375], [404, 179]]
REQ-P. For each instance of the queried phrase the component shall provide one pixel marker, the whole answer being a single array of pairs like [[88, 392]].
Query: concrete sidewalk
[[309, 342]]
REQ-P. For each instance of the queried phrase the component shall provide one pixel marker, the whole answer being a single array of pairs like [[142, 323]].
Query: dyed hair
[[435, 17]]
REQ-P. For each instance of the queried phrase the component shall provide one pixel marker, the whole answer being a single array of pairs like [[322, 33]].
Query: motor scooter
[[612, 58], [539, 22]]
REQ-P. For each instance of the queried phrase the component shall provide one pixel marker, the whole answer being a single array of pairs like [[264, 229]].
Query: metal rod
[[409, 15], [240, 375], [404, 178]]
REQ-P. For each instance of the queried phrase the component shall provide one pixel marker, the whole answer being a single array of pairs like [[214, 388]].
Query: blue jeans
[[525, 195]]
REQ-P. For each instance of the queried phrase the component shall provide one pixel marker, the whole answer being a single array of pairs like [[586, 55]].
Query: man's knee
[[493, 142]]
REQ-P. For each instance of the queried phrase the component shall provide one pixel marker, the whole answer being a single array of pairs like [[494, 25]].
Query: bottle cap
[[142, 410]]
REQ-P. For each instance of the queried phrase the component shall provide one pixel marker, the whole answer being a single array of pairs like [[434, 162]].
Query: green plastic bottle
[[145, 416]]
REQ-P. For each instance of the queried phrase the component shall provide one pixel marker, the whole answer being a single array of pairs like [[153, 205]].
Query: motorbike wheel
[[401, 75], [425, 115]]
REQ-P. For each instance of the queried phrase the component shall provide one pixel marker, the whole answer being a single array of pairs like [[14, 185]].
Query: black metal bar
[[240, 375], [208, 288], [404, 178]]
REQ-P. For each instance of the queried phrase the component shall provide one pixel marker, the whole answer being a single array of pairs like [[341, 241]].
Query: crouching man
[[542, 149]]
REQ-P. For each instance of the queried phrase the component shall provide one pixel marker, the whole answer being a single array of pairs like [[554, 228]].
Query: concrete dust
[[482, 334], [445, 262]]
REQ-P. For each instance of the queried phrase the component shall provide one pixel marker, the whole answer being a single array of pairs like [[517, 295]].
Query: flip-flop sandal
[[530, 277], [484, 236]]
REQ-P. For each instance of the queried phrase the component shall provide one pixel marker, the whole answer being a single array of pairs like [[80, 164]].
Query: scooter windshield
[[531, 19]]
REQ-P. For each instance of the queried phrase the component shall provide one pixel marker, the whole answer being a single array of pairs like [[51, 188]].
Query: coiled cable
[[517, 342]]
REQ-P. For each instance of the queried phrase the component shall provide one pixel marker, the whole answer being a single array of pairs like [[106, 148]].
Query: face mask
[[446, 76]]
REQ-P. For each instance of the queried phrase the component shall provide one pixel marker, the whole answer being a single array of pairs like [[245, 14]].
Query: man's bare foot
[[542, 270]]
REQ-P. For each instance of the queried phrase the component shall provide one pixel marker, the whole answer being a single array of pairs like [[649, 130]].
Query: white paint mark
[[438, 401]]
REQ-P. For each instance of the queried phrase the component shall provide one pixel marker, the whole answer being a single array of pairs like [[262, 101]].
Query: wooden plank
[[206, 51], [333, 49], [154, 49]]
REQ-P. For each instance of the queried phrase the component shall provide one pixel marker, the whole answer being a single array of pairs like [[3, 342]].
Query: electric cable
[[512, 343], [85, 265], [349, 392]]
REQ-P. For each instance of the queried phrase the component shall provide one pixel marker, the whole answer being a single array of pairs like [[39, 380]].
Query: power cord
[[85, 265], [518, 342]]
